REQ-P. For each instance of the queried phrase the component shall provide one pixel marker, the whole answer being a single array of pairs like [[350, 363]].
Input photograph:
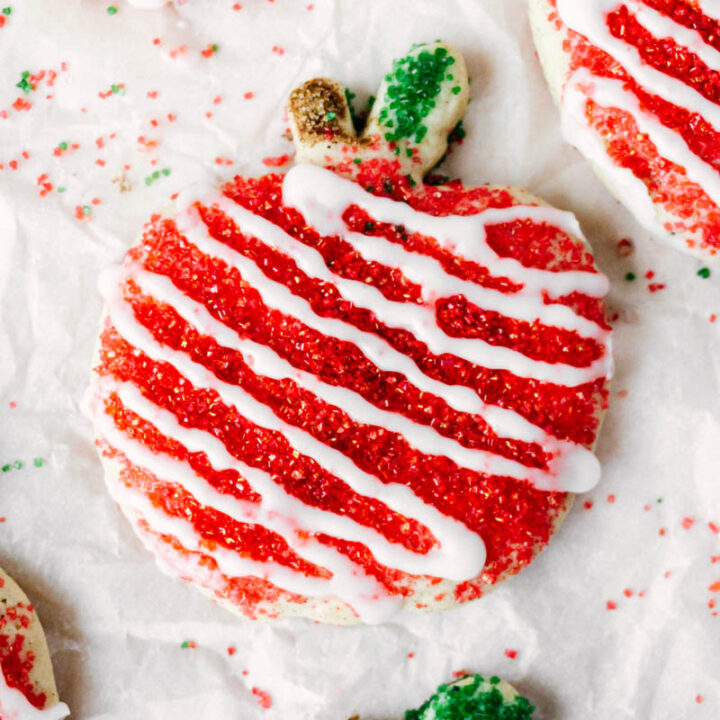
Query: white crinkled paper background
[[115, 624]]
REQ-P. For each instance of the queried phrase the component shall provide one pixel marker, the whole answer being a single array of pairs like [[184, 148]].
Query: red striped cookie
[[341, 392], [27, 684], [638, 82]]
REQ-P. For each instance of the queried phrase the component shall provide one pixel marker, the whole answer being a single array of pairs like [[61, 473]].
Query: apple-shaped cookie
[[638, 83], [341, 392], [27, 683]]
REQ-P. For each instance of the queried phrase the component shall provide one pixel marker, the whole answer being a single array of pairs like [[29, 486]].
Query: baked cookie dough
[[343, 391], [27, 683]]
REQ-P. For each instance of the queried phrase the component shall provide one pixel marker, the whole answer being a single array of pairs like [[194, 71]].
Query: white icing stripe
[[426, 271], [451, 534], [350, 583], [588, 17], [461, 399], [15, 706], [321, 196], [711, 8], [661, 26], [280, 512], [581, 467], [424, 438], [398, 315], [578, 132], [670, 144]]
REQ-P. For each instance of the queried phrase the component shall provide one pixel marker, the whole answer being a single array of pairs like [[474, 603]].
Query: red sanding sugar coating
[[16, 661], [513, 519], [629, 148]]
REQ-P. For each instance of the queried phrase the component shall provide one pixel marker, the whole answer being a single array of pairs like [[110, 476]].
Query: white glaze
[[319, 194], [670, 144], [459, 553], [417, 320], [268, 363], [661, 26], [421, 269], [15, 706], [587, 17], [578, 132]]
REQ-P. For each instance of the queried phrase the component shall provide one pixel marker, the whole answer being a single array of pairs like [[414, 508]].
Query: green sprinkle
[[187, 644], [63, 146], [473, 697], [387, 187], [87, 210], [214, 48], [630, 276], [38, 462], [330, 116], [458, 133], [156, 175], [25, 85], [7, 11], [5, 468], [148, 180], [659, 500], [18, 464], [112, 10], [704, 273], [61, 189], [369, 227], [412, 91], [456, 90], [357, 161], [411, 181], [165, 171]]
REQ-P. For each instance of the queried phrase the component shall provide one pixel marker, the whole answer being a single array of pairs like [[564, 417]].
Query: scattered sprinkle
[[188, 644], [263, 698], [278, 161], [112, 10], [512, 654], [630, 276], [704, 273]]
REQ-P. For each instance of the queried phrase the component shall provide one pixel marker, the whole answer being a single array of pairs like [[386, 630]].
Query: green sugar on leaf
[[413, 88], [473, 697]]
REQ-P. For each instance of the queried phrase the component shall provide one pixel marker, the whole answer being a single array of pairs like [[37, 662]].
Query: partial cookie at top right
[[638, 84]]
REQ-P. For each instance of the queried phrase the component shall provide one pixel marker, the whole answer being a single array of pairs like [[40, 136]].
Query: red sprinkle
[[263, 698], [278, 161]]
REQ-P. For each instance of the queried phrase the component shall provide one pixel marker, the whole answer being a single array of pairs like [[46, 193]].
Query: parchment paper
[[115, 624]]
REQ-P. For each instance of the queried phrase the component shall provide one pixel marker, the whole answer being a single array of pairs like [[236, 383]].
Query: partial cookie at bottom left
[[27, 683]]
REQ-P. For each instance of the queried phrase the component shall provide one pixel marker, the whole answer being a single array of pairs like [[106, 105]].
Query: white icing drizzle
[[612, 93], [661, 26], [454, 539], [419, 321], [321, 196], [459, 554], [711, 8], [349, 582], [578, 132], [588, 17], [576, 468], [426, 271], [15, 706]]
